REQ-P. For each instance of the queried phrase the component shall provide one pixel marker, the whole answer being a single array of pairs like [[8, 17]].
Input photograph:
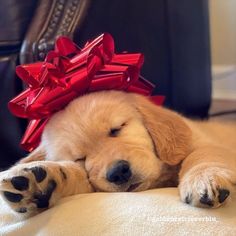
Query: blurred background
[[189, 48], [223, 54]]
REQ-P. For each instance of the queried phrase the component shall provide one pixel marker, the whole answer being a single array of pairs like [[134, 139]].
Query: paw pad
[[13, 197], [20, 183], [21, 210], [188, 199], [42, 198], [206, 200], [223, 194], [39, 173]]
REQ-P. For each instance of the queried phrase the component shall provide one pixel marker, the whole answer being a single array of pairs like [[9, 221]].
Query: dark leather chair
[[173, 35]]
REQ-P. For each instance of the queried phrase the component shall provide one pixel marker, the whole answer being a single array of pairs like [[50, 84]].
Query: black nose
[[119, 173]]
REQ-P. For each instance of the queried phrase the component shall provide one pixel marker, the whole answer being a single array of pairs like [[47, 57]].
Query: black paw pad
[[206, 200], [188, 199], [223, 194], [42, 199], [39, 173], [12, 197], [22, 210], [20, 183]]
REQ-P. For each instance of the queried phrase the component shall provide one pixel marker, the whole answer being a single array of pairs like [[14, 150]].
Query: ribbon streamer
[[69, 72]]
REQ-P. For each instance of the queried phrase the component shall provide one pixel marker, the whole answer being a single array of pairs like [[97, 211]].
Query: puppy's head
[[123, 139]]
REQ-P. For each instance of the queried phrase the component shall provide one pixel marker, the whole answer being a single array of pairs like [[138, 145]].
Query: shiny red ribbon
[[69, 72]]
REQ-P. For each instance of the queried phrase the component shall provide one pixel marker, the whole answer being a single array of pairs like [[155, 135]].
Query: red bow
[[69, 72]]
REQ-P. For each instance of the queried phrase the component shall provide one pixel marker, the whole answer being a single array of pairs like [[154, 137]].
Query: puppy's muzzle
[[120, 173]]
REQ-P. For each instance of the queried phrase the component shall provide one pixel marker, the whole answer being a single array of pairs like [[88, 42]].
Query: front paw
[[207, 187], [28, 189]]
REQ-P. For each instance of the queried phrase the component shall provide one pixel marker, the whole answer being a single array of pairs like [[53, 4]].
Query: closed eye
[[80, 159], [114, 132]]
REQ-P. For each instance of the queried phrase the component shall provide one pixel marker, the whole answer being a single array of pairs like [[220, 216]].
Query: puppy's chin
[[131, 186], [107, 187], [137, 187]]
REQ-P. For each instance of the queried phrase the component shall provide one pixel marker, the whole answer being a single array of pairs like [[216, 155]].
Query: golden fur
[[162, 147]]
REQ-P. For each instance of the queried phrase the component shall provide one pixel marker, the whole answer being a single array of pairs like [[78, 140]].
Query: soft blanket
[[153, 212]]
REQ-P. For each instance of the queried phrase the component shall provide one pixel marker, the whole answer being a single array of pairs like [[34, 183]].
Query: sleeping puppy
[[120, 142]]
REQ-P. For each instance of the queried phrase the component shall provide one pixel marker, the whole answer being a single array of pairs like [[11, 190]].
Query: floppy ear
[[169, 132], [37, 155]]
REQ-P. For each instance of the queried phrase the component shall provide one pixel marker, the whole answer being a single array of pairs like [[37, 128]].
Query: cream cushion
[[153, 212]]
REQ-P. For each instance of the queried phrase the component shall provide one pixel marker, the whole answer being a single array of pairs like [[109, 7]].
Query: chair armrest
[[52, 19]]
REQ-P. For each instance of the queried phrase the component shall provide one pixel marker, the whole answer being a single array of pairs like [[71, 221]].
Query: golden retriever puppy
[[115, 141]]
